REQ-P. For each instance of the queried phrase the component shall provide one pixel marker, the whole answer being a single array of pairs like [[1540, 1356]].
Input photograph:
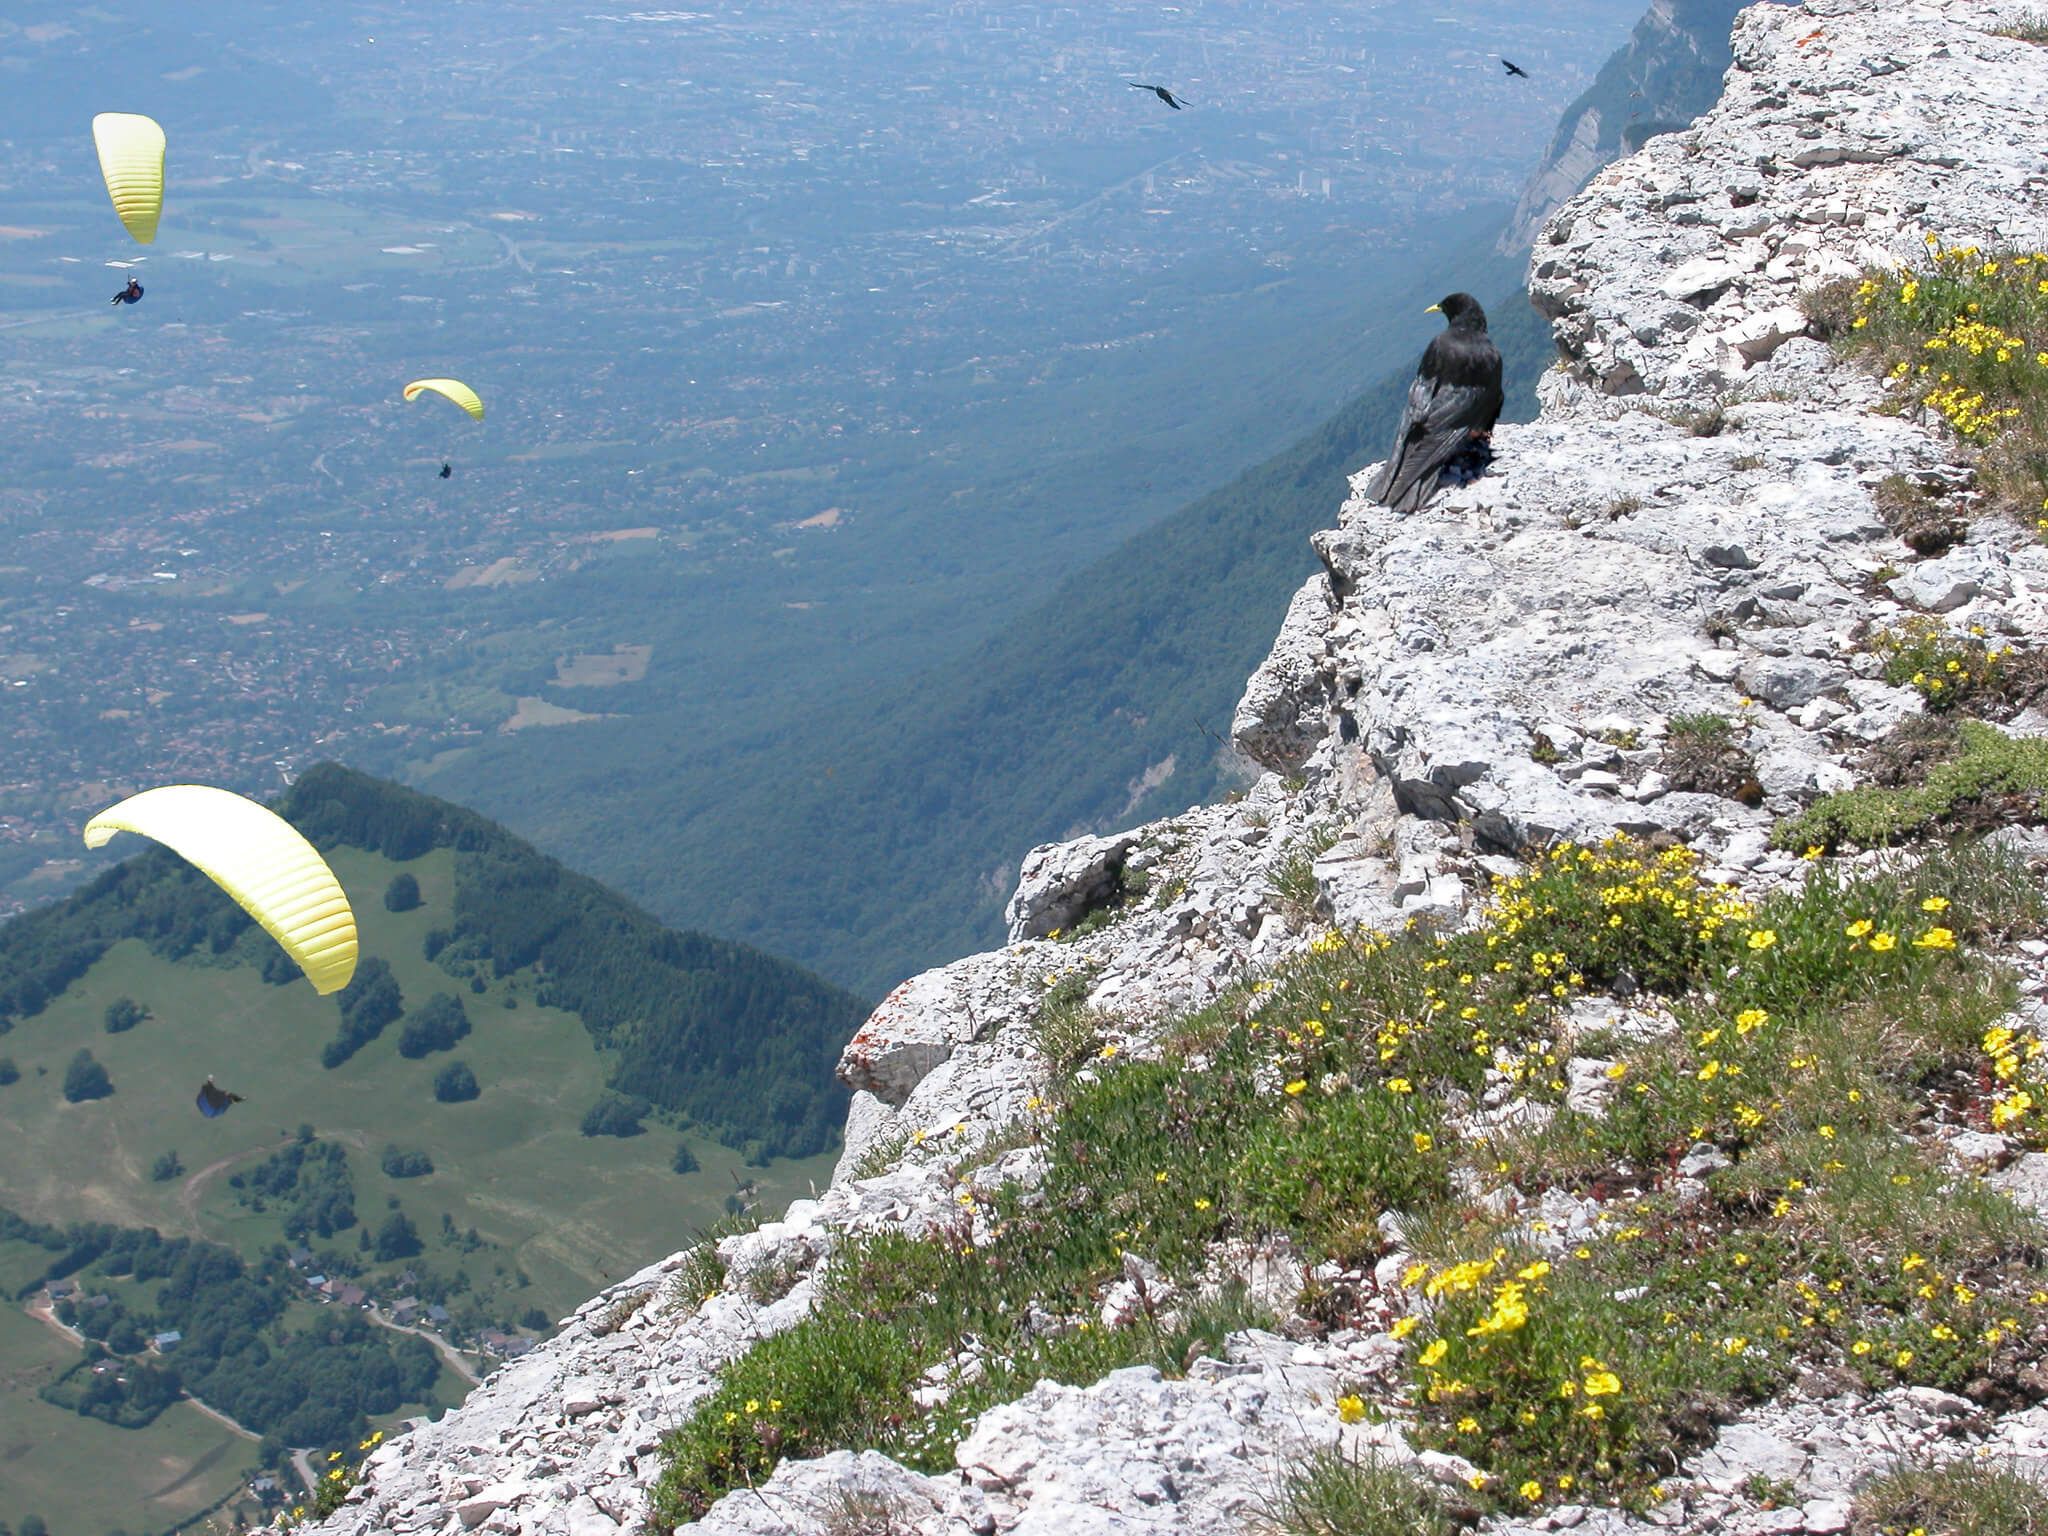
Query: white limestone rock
[[1062, 882], [1281, 718]]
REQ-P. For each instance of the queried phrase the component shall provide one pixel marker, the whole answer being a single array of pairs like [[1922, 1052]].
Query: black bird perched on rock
[[1515, 69], [1447, 424], [1157, 90]]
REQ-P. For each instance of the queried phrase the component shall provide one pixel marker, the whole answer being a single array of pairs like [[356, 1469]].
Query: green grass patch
[[1702, 755], [1294, 882], [1827, 1238], [1066, 1032], [1332, 1493], [1956, 1498], [1966, 338], [1995, 780], [2030, 28]]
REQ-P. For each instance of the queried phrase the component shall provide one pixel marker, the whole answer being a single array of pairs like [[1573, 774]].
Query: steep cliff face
[[1493, 672], [1665, 75]]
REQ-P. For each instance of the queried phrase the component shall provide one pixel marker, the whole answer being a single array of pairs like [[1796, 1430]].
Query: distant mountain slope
[[888, 840], [736, 1041], [1667, 74]]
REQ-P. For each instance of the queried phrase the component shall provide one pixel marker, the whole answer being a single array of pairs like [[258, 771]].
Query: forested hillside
[[527, 1087], [1109, 704], [735, 1041]]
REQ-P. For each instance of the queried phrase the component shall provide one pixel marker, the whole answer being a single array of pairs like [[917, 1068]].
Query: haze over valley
[[819, 341]]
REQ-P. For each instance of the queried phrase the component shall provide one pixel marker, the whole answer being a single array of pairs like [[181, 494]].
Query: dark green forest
[[733, 1039], [711, 1032]]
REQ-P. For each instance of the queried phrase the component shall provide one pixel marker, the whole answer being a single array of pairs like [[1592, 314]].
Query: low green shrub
[[1995, 780]]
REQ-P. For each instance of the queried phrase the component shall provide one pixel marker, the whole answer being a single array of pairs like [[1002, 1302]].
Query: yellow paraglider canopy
[[453, 389], [256, 857], [131, 150]]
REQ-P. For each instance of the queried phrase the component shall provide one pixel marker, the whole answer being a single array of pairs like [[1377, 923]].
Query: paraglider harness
[[132, 294], [213, 1101]]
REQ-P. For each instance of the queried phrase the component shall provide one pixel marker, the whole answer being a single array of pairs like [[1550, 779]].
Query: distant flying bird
[[1452, 406], [447, 470], [1515, 69], [1157, 90]]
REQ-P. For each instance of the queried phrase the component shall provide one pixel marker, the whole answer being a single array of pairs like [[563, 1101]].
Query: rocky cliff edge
[[1689, 527]]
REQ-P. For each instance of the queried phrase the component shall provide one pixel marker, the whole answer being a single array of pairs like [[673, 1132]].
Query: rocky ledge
[[1692, 527]]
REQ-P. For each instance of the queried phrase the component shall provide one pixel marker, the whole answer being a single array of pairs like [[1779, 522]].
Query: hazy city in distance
[[818, 338]]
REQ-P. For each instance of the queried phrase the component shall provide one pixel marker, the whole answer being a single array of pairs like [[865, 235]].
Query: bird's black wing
[[1455, 396], [1167, 97]]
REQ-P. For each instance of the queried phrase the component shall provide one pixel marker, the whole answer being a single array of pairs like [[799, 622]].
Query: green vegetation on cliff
[[1819, 1035]]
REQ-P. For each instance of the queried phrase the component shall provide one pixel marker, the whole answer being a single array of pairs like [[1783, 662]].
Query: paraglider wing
[[132, 160], [254, 855], [453, 389]]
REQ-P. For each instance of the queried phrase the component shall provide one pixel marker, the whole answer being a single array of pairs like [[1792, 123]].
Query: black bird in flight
[[447, 470], [1515, 69], [1157, 90], [1452, 406]]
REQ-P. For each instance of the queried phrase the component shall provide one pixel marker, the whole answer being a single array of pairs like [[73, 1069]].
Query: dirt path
[[44, 1313], [41, 1310], [198, 1468], [442, 1347], [195, 1186], [220, 1418]]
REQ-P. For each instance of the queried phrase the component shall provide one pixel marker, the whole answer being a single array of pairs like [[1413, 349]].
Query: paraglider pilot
[[132, 294], [214, 1101]]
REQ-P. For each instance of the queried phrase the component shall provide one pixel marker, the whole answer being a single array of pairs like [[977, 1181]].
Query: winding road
[[448, 1352]]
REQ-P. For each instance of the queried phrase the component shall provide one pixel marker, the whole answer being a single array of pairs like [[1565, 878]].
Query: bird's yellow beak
[[1434, 309]]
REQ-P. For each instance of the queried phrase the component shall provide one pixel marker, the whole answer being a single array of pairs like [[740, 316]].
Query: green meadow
[[84, 1476], [557, 1215]]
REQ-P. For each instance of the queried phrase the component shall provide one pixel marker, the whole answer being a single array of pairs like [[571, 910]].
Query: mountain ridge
[[1667, 74]]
